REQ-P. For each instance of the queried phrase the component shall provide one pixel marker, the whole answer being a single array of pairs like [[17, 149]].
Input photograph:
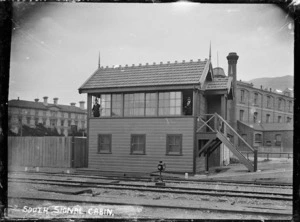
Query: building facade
[[186, 114], [51, 115], [265, 117]]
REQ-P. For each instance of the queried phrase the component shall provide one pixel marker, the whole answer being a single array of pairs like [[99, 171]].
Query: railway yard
[[233, 194]]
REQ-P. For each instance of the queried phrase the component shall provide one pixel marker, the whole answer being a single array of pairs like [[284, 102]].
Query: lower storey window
[[174, 144], [104, 143], [278, 140], [138, 144]]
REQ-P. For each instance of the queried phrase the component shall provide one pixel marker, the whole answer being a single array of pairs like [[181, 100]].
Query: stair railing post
[[255, 160]]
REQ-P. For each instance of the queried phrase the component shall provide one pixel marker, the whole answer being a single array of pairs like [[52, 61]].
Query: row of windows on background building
[[138, 144], [258, 140], [268, 117], [280, 102], [142, 104], [53, 122], [54, 114]]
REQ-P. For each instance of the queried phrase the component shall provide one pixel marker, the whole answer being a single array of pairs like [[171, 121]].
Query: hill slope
[[282, 82]]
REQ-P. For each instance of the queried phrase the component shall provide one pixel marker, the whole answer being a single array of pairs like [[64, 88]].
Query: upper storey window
[[169, 103], [279, 104], [255, 98], [242, 96], [134, 104], [268, 101], [142, 104]]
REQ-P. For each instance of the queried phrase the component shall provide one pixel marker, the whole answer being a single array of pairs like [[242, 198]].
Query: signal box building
[[181, 113]]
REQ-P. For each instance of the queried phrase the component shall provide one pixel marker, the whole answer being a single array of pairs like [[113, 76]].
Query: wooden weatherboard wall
[[155, 129], [45, 151]]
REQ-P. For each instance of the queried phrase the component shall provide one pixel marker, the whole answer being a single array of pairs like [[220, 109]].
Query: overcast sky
[[55, 46]]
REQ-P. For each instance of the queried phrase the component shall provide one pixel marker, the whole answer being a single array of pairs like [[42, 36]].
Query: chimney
[[81, 104], [36, 100], [73, 104], [55, 101], [232, 61], [261, 87], [45, 100], [270, 89]]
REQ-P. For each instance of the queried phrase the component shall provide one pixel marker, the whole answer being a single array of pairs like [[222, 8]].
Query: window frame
[[168, 153], [278, 142], [131, 145], [241, 115], [242, 98], [110, 144]]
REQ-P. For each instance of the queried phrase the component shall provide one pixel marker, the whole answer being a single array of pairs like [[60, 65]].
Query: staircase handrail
[[241, 138]]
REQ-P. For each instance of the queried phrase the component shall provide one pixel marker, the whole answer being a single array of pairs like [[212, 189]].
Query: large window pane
[[105, 104], [170, 103], [151, 104], [134, 104], [116, 105]]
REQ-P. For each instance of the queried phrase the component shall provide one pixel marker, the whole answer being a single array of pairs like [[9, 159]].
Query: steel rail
[[147, 188], [167, 179]]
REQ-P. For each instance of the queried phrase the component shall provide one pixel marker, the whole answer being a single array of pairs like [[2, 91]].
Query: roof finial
[[210, 50], [99, 61]]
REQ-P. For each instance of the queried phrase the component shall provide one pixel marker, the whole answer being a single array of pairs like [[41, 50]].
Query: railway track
[[168, 180], [267, 213], [66, 189], [151, 188]]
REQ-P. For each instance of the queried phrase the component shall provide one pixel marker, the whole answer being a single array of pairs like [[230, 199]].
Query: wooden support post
[[255, 160], [206, 161]]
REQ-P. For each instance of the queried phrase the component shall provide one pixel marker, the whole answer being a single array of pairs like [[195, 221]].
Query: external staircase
[[215, 130]]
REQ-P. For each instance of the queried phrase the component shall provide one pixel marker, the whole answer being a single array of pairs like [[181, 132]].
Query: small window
[[241, 115], [288, 119], [242, 95], [255, 117], [279, 104], [268, 101], [267, 118], [268, 143], [278, 140], [138, 144], [174, 144], [279, 119], [257, 139], [28, 120], [104, 143], [255, 98]]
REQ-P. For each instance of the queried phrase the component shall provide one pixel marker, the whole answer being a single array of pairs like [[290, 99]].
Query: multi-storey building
[[51, 115], [264, 115]]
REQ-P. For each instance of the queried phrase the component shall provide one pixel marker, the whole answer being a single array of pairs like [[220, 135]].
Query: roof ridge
[[147, 64]]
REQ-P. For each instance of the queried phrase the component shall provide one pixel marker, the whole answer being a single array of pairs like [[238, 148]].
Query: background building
[[264, 115], [51, 115]]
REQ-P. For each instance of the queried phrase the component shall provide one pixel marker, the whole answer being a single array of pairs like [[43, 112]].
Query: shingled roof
[[218, 84], [176, 73], [40, 105]]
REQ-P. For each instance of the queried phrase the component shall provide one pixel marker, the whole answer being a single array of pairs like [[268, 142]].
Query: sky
[[55, 46]]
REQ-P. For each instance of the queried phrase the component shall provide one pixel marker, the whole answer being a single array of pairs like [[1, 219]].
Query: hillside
[[282, 82]]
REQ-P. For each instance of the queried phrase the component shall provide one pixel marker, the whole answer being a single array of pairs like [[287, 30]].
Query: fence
[[46, 152]]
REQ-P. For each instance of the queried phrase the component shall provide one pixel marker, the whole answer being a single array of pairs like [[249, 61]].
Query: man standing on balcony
[[96, 109], [188, 107]]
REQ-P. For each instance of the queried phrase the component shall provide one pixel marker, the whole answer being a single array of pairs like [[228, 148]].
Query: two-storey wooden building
[[145, 117]]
